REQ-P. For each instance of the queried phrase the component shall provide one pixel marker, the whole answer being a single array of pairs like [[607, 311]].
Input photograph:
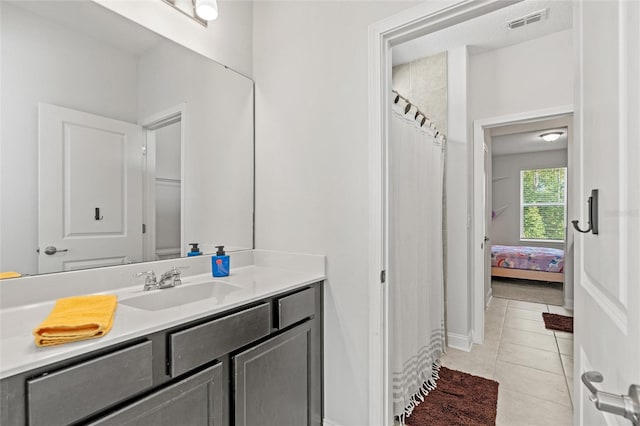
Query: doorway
[[603, 104], [467, 221], [527, 249], [163, 187]]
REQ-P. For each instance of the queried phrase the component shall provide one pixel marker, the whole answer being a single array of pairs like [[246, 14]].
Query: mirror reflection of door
[[90, 190], [165, 187]]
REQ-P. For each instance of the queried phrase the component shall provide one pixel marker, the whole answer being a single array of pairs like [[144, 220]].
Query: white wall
[[227, 40], [458, 291], [312, 189], [44, 62], [528, 76], [505, 228], [218, 145]]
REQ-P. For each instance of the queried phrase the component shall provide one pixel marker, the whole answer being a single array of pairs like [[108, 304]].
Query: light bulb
[[551, 136], [207, 9]]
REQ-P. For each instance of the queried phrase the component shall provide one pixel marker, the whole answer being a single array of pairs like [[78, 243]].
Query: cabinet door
[[194, 401], [272, 381]]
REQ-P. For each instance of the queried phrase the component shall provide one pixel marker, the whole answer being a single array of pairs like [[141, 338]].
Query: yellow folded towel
[[77, 318], [10, 274]]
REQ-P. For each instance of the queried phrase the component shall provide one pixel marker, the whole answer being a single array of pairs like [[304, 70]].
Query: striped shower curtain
[[416, 282]]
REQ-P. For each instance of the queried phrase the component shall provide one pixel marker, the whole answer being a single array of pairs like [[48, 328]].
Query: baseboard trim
[[568, 304], [459, 341], [327, 422], [488, 297]]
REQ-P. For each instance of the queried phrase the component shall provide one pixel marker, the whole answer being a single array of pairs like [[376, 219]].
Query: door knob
[[50, 250], [627, 406]]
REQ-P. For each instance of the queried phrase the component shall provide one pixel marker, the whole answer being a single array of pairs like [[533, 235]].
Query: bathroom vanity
[[249, 355]]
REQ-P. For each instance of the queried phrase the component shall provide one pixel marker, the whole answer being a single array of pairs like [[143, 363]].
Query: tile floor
[[533, 365]]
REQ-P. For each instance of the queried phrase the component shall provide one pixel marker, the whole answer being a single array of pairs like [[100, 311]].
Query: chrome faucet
[[150, 280], [171, 278]]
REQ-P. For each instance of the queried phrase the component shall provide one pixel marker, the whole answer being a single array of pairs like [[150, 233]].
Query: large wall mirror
[[117, 145]]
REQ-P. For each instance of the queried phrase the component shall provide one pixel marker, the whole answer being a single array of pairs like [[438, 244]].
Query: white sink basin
[[156, 300]]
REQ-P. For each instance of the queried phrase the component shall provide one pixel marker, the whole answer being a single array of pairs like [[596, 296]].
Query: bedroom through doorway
[[527, 201]]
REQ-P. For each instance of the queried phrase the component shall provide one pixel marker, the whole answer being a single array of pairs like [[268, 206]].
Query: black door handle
[[593, 215]]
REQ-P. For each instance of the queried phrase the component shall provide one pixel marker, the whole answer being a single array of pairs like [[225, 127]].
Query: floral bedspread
[[531, 258]]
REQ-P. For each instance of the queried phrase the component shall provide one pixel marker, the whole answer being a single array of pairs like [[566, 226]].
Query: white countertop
[[267, 276]]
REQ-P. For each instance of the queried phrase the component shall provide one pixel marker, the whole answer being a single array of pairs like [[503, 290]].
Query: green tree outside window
[[543, 198]]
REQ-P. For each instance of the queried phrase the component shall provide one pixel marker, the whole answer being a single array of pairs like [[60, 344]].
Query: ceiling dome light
[[551, 136], [207, 9]]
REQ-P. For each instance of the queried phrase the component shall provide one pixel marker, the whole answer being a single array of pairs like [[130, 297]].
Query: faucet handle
[[173, 272], [149, 274], [150, 279], [171, 278]]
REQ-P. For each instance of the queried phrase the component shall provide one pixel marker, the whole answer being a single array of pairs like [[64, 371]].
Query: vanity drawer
[[71, 394], [198, 345], [295, 307]]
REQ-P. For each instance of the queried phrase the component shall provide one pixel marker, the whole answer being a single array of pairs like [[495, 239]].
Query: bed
[[528, 263]]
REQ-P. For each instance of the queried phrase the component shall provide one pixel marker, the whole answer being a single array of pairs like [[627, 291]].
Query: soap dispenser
[[195, 251], [220, 263]]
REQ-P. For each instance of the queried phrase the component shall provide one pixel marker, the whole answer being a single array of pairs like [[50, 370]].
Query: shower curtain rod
[[419, 113]]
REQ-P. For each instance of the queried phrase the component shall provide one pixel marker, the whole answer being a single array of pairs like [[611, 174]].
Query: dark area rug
[[557, 322], [459, 399]]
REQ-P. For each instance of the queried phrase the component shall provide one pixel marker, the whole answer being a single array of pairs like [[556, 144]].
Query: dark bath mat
[[459, 399], [558, 322]]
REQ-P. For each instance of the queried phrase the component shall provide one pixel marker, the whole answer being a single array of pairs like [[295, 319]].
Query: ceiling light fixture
[[551, 136], [207, 9]]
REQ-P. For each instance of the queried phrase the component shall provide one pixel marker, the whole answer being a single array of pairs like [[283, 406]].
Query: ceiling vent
[[528, 19]]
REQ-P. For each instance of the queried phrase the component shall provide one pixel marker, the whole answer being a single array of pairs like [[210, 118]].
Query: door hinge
[[144, 150], [383, 276], [144, 228]]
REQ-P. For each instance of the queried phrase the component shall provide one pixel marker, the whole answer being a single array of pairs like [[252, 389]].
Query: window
[[543, 200]]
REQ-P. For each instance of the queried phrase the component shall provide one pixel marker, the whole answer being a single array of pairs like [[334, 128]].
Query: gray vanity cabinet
[[272, 381], [278, 382], [194, 401], [253, 365]]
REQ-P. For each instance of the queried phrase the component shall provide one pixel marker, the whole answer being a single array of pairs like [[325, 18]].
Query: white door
[[90, 190], [607, 281]]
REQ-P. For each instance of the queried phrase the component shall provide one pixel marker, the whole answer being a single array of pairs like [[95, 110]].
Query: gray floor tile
[[567, 365], [527, 325], [530, 381], [565, 346], [530, 339], [517, 409], [560, 310], [524, 314], [533, 365], [563, 335], [530, 357], [540, 307]]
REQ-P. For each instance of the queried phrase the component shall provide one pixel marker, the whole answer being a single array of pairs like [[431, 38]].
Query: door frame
[[409, 24], [150, 124], [478, 216]]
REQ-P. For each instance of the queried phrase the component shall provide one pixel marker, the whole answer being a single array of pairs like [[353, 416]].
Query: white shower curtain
[[416, 281]]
